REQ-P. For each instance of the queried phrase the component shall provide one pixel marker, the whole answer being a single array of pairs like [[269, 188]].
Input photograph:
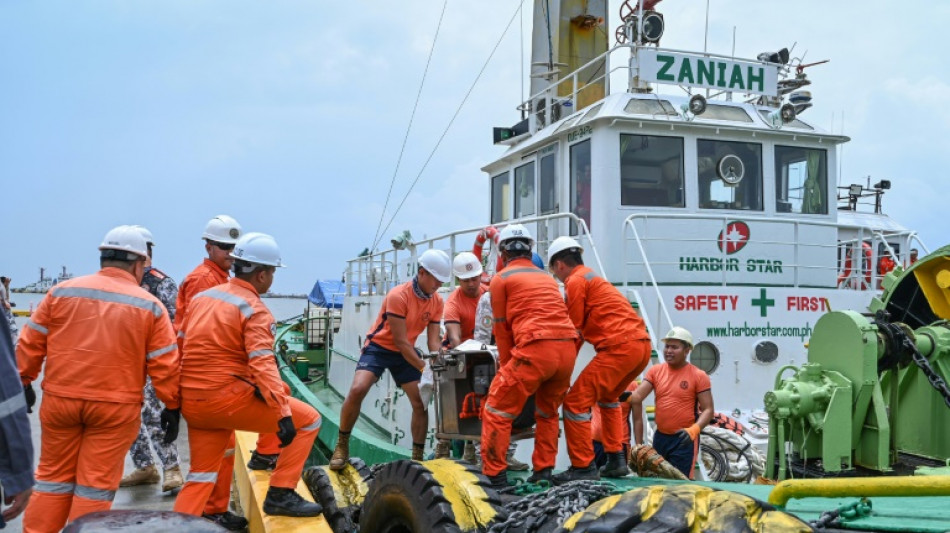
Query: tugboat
[[696, 186]]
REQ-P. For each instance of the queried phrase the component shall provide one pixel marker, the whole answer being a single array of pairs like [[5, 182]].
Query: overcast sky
[[289, 116]]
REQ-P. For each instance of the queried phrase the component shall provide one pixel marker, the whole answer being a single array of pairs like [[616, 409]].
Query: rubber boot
[[588, 472], [261, 461], [468, 453], [227, 520], [616, 465], [499, 481], [341, 455], [418, 452], [541, 475], [443, 449], [286, 502], [514, 464], [172, 479], [142, 476]]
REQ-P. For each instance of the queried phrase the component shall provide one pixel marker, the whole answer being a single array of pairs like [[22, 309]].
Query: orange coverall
[[535, 356], [229, 337], [205, 276], [607, 321], [99, 336]]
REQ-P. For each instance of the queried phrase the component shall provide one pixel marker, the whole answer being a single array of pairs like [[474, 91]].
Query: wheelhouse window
[[500, 206], [524, 190], [547, 183], [730, 175], [651, 171], [801, 180], [580, 182]]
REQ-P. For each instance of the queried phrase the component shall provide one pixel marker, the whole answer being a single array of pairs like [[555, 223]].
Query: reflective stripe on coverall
[[99, 336], [607, 320], [536, 356], [205, 276], [228, 334]]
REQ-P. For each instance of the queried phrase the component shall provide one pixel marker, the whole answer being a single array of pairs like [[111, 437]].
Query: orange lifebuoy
[[846, 274], [490, 232]]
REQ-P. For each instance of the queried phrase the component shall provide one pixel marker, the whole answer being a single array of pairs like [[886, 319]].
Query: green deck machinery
[[872, 397]]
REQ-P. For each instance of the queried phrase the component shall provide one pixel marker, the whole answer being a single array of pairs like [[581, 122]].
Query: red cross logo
[[734, 237]]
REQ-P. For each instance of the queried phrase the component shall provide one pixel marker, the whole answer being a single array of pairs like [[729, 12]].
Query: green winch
[[873, 395]]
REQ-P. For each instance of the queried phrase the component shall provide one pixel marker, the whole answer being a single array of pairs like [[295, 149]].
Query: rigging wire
[[412, 116], [449, 125]]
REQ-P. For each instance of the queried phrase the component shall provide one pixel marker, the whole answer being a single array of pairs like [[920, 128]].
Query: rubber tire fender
[[675, 509], [317, 478], [405, 497]]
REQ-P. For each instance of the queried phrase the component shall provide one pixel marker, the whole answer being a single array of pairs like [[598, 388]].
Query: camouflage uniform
[[164, 288]]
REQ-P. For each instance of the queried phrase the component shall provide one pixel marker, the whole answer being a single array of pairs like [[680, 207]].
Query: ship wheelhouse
[[635, 155]]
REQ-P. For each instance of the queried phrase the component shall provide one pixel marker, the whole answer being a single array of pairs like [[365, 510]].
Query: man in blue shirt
[[16, 448]]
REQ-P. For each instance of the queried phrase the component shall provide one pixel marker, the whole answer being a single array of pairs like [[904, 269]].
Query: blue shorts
[[679, 450], [377, 359]]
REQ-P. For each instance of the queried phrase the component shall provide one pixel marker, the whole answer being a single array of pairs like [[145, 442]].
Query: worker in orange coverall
[[605, 319], [220, 235], [536, 354], [229, 381], [99, 336]]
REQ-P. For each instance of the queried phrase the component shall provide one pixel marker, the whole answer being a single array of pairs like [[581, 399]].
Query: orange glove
[[694, 431]]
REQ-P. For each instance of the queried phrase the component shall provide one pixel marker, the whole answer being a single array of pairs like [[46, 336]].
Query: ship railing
[[544, 107], [855, 268], [377, 273]]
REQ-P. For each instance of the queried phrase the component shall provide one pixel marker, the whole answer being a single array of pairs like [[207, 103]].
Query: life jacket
[[725, 421]]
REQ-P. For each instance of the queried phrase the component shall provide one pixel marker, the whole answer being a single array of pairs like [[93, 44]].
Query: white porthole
[[705, 356]]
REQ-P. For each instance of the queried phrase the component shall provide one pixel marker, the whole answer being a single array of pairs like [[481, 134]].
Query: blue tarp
[[327, 293]]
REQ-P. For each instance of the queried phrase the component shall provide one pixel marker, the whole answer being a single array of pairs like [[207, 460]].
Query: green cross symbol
[[763, 303]]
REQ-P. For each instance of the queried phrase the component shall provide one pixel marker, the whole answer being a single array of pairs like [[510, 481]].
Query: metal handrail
[[874, 235], [356, 272]]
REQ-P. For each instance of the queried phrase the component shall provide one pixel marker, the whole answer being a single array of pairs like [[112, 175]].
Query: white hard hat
[[146, 234], [436, 262], [680, 334], [466, 265], [124, 239], [257, 248], [223, 229], [563, 243], [514, 232]]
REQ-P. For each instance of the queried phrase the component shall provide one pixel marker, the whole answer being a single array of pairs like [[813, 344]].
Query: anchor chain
[[528, 514], [935, 380]]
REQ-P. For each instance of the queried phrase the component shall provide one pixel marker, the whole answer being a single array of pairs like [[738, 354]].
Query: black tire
[[728, 512], [341, 518], [406, 497]]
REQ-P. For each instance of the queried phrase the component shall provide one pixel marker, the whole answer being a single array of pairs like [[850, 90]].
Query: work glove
[[694, 431], [30, 396], [286, 431], [170, 419], [625, 395]]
